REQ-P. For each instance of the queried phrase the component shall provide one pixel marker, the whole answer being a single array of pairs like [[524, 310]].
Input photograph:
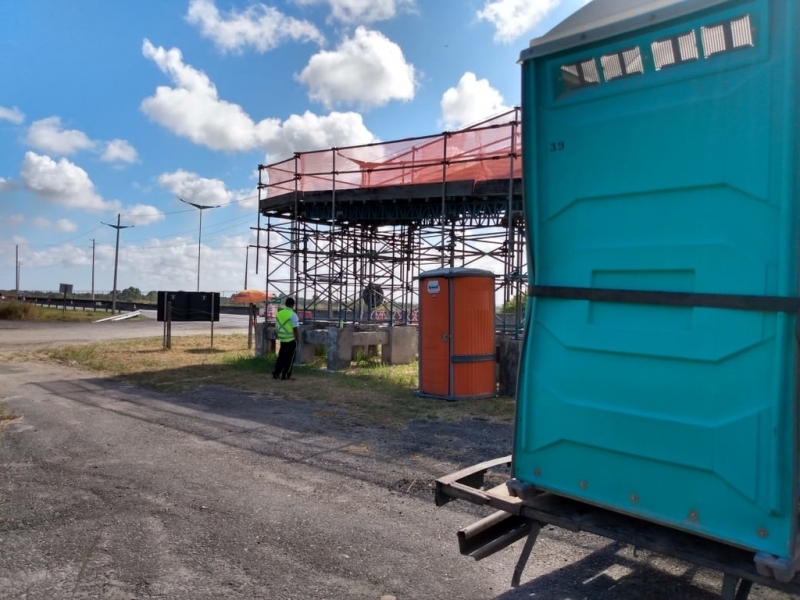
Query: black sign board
[[64, 288], [189, 306]]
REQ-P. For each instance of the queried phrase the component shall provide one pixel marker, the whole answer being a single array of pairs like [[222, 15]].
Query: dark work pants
[[283, 366]]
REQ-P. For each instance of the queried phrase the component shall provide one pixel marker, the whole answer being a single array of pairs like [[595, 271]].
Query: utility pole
[[246, 260], [17, 269], [116, 263], [93, 245]]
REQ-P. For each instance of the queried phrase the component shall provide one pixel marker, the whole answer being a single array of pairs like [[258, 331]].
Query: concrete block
[[402, 346], [315, 336], [306, 353], [340, 347], [265, 338], [370, 338]]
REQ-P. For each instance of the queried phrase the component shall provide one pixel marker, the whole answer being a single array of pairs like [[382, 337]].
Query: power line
[[178, 212], [165, 237], [186, 243], [171, 236], [175, 235], [151, 248], [74, 238], [52, 245]]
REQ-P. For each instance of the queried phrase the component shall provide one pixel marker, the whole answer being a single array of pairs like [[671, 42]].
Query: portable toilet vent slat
[[456, 331], [658, 371]]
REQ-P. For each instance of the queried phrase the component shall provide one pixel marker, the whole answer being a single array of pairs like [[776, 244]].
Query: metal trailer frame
[[522, 512]]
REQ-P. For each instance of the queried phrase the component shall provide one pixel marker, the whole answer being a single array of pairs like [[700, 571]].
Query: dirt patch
[[367, 393], [7, 417], [421, 488]]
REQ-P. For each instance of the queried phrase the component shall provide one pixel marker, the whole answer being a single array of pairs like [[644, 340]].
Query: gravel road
[[111, 491]]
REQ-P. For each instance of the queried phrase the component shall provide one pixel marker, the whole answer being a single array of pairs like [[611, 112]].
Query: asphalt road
[[15, 335], [110, 491]]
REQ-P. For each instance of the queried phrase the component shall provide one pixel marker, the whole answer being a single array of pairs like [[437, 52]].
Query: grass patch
[[23, 311], [368, 392]]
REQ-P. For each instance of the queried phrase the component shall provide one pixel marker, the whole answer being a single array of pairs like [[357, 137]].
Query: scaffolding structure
[[347, 231]]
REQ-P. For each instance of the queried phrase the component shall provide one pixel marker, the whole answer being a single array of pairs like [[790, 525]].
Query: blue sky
[[122, 107]]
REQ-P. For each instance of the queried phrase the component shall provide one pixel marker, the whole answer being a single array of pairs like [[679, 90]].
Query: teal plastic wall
[[678, 179]]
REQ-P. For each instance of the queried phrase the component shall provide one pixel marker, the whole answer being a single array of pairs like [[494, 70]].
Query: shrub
[[15, 311]]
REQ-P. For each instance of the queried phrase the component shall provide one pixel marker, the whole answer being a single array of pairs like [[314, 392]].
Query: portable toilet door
[[658, 371], [456, 334]]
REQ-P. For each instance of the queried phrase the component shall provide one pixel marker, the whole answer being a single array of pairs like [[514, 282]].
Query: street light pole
[[199, 238], [201, 208], [116, 263]]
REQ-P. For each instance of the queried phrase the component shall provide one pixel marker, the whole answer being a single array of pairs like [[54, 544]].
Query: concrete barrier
[[396, 345], [403, 346]]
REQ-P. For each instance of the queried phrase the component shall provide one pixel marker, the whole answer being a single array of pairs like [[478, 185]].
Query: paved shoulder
[[115, 492], [16, 335]]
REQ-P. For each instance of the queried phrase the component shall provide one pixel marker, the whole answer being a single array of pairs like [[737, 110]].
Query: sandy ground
[[111, 491]]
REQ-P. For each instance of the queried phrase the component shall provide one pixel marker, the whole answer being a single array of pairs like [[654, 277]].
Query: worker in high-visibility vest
[[287, 324]]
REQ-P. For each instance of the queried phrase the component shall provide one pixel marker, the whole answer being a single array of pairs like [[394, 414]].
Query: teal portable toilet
[[658, 376]]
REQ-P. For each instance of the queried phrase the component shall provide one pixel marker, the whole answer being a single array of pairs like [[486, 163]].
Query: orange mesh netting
[[488, 150]]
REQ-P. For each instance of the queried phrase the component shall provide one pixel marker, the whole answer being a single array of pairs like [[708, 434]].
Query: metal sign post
[[212, 319], [65, 288]]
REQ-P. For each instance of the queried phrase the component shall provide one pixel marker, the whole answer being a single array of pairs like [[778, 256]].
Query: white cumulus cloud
[[258, 26], [470, 101], [363, 11], [13, 220], [193, 110], [142, 214], [172, 264], [62, 182], [14, 115], [513, 18], [314, 132], [193, 188], [65, 226], [149, 264], [367, 69], [47, 135], [61, 225], [119, 150]]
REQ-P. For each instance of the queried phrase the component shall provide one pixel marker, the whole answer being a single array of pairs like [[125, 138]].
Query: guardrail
[[503, 322], [122, 305]]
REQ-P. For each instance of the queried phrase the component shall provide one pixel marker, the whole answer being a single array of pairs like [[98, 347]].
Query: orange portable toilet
[[456, 334]]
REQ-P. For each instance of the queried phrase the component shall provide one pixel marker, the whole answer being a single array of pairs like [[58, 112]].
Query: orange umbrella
[[249, 297]]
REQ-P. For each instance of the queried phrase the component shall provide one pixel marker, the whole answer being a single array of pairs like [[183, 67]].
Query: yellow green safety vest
[[284, 323]]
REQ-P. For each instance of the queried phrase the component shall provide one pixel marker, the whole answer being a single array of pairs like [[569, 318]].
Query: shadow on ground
[[406, 460], [403, 461]]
